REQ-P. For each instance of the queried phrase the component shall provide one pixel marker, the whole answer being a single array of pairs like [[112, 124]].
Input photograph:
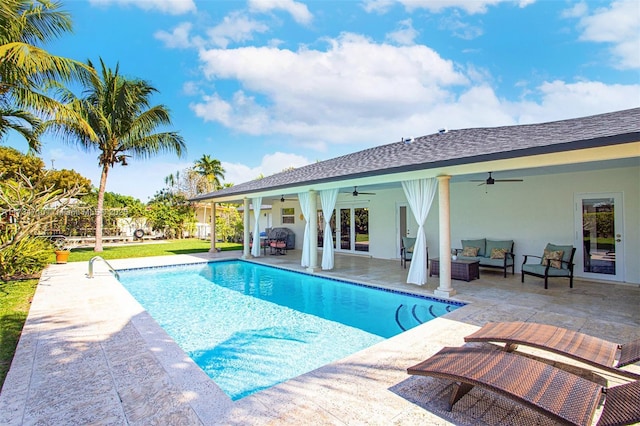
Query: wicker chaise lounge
[[562, 396], [590, 350]]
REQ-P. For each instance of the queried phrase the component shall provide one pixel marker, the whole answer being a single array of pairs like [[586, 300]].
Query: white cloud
[[470, 7], [617, 25], [405, 35], [459, 28], [172, 7], [236, 27], [354, 90], [560, 100], [298, 11], [190, 88], [578, 10], [361, 94], [270, 164], [178, 38], [377, 6]]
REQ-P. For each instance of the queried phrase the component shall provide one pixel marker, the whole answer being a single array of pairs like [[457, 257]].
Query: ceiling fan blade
[[491, 180], [355, 192]]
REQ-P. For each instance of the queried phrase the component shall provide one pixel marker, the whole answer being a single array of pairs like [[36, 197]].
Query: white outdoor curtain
[[257, 203], [328, 198], [305, 207], [419, 193]]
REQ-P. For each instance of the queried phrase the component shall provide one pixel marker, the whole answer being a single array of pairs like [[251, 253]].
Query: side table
[[466, 270]]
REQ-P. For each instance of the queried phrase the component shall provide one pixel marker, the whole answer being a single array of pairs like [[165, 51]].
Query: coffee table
[[466, 270]]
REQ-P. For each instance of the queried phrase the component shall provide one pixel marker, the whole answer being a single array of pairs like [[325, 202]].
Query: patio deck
[[89, 354]]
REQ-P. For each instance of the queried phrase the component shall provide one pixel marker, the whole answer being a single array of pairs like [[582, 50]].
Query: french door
[[599, 236], [352, 230]]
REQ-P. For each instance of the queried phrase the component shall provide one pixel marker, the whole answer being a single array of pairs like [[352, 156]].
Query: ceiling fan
[[490, 180], [355, 192], [282, 199]]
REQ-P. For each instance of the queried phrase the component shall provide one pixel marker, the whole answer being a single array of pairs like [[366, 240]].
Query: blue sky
[[265, 85]]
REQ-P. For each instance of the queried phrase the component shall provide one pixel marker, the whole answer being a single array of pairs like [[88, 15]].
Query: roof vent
[[442, 131], [407, 140]]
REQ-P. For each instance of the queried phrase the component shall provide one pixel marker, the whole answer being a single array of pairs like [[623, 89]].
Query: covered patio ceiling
[[475, 172]]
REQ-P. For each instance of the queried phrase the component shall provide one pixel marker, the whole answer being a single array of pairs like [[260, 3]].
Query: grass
[[148, 249], [15, 296], [15, 300]]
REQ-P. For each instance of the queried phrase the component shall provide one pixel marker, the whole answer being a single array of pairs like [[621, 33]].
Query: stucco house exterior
[[564, 174]]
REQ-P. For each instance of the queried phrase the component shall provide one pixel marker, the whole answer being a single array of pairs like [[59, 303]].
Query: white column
[[445, 289], [246, 254], [313, 232], [204, 218], [213, 227]]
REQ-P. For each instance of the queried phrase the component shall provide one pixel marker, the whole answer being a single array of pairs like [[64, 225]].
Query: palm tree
[[211, 169], [122, 125], [28, 71]]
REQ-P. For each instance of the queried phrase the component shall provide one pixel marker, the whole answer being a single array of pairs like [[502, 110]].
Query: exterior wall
[[266, 220], [541, 210], [203, 220], [276, 219], [384, 223], [532, 213]]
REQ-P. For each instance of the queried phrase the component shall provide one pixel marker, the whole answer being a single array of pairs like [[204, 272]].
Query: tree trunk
[[99, 215]]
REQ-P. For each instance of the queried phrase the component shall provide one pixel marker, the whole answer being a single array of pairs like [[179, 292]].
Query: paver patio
[[90, 354]]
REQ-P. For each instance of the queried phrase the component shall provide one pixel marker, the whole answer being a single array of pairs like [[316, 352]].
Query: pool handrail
[[94, 258]]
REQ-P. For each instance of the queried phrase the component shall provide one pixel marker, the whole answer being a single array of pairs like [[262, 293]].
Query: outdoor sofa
[[489, 253]]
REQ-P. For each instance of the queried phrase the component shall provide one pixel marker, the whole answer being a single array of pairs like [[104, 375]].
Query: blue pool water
[[250, 326]]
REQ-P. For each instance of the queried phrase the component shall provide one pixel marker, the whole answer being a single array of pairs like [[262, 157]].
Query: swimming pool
[[251, 326]]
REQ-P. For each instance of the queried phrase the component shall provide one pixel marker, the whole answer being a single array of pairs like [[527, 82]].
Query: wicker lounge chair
[[562, 396], [590, 350]]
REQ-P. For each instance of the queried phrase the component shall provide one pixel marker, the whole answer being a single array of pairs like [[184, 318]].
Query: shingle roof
[[454, 147]]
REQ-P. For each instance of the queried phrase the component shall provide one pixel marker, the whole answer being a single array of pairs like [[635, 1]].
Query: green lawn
[[147, 249], [15, 300], [15, 296]]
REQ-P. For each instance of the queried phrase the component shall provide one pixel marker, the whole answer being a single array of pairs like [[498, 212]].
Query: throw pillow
[[554, 256], [498, 253], [470, 251]]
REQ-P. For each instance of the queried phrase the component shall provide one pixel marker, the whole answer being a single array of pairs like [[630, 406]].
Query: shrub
[[25, 258]]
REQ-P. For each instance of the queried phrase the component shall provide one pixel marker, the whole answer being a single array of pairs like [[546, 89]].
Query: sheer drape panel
[[255, 249], [305, 206], [328, 198], [419, 193]]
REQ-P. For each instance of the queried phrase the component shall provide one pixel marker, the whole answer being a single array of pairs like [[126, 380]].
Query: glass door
[[361, 228], [345, 229], [599, 236], [321, 228], [353, 229]]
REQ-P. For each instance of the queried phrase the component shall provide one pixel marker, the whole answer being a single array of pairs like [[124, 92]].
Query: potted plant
[[63, 249]]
